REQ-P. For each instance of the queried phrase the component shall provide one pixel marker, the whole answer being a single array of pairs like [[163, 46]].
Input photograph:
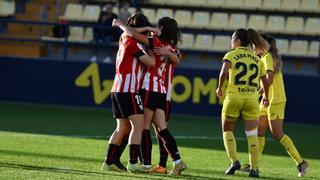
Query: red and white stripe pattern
[[128, 68], [169, 77]]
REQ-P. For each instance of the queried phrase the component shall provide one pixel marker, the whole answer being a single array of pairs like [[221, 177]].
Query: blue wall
[[89, 84]]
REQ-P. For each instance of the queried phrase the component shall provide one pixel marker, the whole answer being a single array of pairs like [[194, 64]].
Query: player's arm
[[162, 50], [269, 77], [148, 59], [131, 32], [157, 31], [265, 87], [223, 76]]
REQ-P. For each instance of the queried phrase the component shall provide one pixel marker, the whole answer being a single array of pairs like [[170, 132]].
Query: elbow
[[152, 63]]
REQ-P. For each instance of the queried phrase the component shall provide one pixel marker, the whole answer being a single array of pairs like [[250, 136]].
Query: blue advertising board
[[89, 84]]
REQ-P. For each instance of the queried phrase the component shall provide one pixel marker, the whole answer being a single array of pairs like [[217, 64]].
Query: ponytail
[[277, 61], [256, 41]]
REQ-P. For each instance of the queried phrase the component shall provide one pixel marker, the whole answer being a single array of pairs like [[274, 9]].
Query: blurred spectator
[[108, 33], [124, 12]]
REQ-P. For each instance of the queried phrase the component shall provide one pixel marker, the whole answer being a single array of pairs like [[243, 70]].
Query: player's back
[[244, 73]]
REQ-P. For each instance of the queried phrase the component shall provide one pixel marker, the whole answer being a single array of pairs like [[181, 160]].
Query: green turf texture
[[51, 142]]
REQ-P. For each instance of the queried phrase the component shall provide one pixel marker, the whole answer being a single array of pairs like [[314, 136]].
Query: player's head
[[244, 37], [169, 30], [274, 51], [138, 20]]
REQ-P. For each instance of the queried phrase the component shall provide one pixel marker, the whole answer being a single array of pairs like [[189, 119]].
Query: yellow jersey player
[[273, 115], [244, 70]]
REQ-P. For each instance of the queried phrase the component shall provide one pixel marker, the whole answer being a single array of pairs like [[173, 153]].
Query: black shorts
[[126, 104], [153, 100], [168, 110]]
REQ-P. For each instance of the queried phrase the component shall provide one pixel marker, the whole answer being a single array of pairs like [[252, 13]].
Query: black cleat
[[302, 168], [233, 168], [245, 168], [253, 173], [120, 165]]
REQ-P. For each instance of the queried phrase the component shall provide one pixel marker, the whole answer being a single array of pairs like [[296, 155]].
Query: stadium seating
[[215, 3], [298, 48], [163, 13], [7, 8], [283, 46], [237, 21], [195, 3], [309, 5], [294, 25], [314, 49], [312, 26], [257, 22], [187, 41], [183, 17], [275, 24], [91, 13], [219, 21], [221, 43], [252, 4], [151, 14], [203, 42], [200, 19], [88, 35], [233, 4], [73, 12], [271, 4], [290, 5], [76, 34], [159, 2]]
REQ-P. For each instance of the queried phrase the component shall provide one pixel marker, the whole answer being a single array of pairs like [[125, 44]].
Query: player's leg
[[276, 127], [123, 129], [122, 147], [146, 142], [169, 142], [229, 115]]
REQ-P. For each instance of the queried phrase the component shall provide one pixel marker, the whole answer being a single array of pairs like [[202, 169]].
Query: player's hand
[[219, 92], [117, 22], [162, 50], [265, 102], [156, 30], [260, 91]]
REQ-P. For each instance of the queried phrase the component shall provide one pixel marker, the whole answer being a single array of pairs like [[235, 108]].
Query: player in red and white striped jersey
[[154, 92], [126, 102]]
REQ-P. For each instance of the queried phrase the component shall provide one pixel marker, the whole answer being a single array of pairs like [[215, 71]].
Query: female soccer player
[[154, 91], [273, 115], [244, 70], [126, 102]]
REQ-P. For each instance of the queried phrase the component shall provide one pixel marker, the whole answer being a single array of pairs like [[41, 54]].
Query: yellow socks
[[230, 145], [254, 153], [262, 142], [287, 143]]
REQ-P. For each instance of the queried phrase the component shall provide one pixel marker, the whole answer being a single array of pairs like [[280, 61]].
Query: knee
[[277, 135]]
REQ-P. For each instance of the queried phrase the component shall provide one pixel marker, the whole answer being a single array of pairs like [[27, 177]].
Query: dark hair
[[138, 20], [170, 31], [251, 38], [277, 61]]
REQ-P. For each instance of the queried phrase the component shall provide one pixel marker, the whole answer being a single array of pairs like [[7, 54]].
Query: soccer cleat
[[135, 168], [159, 169], [178, 168], [253, 173], [233, 168], [111, 167], [246, 168], [302, 168], [120, 165]]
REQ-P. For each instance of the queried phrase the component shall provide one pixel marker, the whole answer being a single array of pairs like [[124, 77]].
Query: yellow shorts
[[248, 108], [274, 111]]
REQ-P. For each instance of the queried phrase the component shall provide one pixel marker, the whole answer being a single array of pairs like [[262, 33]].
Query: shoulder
[[229, 55]]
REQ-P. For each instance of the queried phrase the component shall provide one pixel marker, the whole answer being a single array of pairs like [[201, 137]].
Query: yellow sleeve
[[268, 63], [262, 69], [228, 57]]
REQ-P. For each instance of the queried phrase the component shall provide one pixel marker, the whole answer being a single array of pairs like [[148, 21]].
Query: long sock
[[111, 153], [230, 145], [262, 142], [253, 146], [134, 150], [163, 154], [122, 147], [170, 144], [146, 147], [291, 149]]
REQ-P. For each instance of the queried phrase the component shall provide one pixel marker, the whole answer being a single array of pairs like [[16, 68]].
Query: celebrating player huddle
[[141, 96]]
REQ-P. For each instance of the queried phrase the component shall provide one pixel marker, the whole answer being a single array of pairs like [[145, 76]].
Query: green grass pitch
[[51, 142]]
